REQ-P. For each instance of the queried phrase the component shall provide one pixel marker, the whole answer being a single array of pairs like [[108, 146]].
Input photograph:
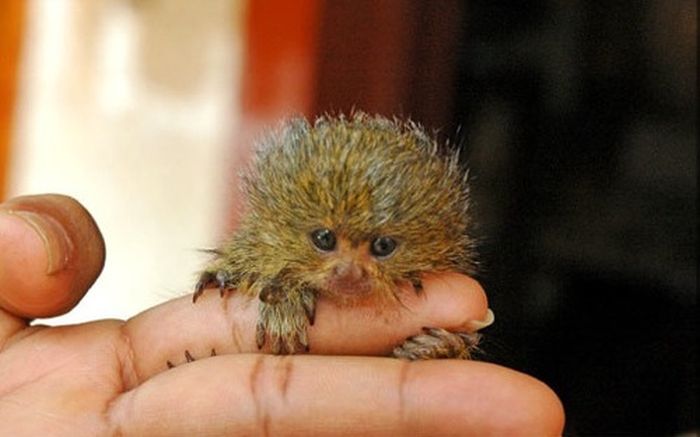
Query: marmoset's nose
[[349, 270]]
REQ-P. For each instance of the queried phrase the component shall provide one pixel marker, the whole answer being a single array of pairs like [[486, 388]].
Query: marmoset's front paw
[[222, 279], [283, 320], [438, 343]]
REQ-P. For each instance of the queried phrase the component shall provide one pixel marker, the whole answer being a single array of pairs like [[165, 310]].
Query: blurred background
[[576, 118]]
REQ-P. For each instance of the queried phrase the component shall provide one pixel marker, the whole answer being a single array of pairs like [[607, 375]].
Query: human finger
[[310, 395], [51, 251], [220, 326]]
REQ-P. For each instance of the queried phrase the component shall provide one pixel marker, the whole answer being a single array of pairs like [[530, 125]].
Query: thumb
[[51, 252]]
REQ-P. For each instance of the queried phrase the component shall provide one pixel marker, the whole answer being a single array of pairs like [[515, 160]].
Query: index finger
[[164, 333]]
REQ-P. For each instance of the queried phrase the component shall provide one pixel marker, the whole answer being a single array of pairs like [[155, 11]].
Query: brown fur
[[361, 177]]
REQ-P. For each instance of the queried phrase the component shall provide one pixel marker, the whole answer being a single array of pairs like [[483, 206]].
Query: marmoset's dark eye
[[382, 247], [323, 239]]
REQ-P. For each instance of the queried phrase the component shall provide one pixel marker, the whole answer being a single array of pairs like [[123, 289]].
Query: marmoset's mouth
[[349, 286]]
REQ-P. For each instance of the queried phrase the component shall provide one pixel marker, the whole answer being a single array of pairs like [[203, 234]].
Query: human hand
[[111, 377]]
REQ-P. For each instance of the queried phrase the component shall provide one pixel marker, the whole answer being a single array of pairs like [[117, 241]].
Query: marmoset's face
[[351, 267], [353, 257]]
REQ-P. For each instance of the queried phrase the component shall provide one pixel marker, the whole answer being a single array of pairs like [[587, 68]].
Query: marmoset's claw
[[260, 335], [221, 279], [205, 280]]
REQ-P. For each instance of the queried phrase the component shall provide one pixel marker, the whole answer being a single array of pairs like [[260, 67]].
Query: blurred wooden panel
[[393, 57], [280, 59], [11, 24]]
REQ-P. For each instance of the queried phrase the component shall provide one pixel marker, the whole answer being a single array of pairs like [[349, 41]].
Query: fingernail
[[476, 325], [55, 239]]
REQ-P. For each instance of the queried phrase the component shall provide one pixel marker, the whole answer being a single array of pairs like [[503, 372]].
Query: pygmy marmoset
[[349, 209]]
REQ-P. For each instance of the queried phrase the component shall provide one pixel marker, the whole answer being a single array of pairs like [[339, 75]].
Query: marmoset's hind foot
[[221, 279], [438, 343]]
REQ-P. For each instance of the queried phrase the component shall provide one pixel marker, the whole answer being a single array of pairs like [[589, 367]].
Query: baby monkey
[[349, 209]]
